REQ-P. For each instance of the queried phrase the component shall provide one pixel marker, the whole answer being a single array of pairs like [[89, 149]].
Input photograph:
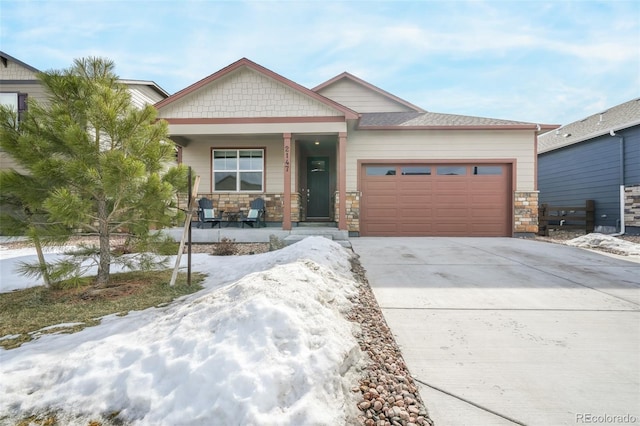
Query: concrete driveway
[[503, 331]]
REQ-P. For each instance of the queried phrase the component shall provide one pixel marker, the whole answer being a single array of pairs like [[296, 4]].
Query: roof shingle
[[616, 118], [431, 119]]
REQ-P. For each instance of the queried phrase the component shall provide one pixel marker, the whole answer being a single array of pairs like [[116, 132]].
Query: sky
[[551, 62]]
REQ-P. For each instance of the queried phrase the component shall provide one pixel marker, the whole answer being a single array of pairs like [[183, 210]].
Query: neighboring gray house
[[596, 158], [18, 83]]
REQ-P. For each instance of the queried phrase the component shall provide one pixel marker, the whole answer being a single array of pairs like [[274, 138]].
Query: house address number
[[286, 159]]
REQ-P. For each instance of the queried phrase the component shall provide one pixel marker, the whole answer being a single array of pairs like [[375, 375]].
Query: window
[[452, 170], [9, 100], [487, 170], [416, 170], [318, 166], [381, 170], [236, 170], [16, 101]]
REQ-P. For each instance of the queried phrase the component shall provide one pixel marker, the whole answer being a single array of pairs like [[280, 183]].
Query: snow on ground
[[607, 242], [266, 343]]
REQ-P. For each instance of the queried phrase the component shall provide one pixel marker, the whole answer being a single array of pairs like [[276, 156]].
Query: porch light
[[317, 143]]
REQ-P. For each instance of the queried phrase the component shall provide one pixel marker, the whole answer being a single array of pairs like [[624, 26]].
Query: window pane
[[251, 181], [225, 181], [416, 170], [318, 166], [381, 170], [250, 160], [487, 170], [225, 160], [9, 100], [452, 170]]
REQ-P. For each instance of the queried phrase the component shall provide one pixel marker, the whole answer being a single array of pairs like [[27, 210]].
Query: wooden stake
[[185, 232]]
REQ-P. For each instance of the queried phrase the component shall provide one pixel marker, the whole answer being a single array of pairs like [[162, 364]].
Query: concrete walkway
[[258, 235], [503, 331]]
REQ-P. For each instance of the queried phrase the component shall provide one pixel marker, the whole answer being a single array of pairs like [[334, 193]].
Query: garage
[[454, 199]]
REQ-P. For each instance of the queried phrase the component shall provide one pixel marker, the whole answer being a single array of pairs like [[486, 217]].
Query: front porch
[[259, 235], [249, 132], [300, 176]]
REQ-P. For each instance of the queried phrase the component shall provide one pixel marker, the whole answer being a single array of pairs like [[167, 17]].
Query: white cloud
[[471, 50]]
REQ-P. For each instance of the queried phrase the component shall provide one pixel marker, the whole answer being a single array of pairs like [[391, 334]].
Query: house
[[349, 153], [18, 83], [596, 158]]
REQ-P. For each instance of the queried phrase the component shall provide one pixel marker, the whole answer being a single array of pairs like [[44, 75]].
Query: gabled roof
[[244, 62], [152, 84], [613, 119], [353, 78], [6, 57], [437, 121]]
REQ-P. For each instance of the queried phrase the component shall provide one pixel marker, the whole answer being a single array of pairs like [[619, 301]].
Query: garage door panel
[[450, 185], [438, 205], [384, 213], [381, 185], [412, 202], [383, 199], [411, 186], [451, 209], [452, 228], [487, 199], [411, 215], [382, 228]]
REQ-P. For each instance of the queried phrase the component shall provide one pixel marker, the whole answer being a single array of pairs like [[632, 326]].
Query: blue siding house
[[596, 158]]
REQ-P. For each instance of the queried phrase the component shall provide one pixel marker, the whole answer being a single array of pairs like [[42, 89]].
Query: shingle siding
[[246, 93], [14, 71]]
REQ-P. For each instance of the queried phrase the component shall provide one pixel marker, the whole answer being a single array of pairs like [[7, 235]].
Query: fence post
[[590, 214], [543, 223]]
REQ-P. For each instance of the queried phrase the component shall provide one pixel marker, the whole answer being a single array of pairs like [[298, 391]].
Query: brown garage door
[[436, 200]]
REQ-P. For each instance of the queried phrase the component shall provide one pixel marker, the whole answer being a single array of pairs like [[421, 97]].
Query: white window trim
[[238, 170]]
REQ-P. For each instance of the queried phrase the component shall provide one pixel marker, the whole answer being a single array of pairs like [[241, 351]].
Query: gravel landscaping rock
[[387, 393]]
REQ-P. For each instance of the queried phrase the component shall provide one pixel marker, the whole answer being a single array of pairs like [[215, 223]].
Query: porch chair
[[256, 214], [207, 214]]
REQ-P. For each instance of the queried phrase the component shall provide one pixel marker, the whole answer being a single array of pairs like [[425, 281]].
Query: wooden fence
[[553, 217]]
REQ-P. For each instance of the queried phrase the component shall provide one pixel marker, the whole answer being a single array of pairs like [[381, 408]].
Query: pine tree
[[102, 162]]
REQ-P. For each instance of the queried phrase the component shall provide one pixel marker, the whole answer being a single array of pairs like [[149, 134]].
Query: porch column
[[286, 219], [342, 180]]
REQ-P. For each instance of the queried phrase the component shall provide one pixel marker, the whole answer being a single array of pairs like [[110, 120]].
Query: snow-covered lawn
[[265, 343]]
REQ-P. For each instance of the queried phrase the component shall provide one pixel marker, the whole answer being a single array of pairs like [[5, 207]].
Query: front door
[[318, 199]]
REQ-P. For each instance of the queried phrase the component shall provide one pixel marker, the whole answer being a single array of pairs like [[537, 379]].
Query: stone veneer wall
[[525, 220], [296, 207], [632, 205], [353, 210], [240, 202], [232, 202]]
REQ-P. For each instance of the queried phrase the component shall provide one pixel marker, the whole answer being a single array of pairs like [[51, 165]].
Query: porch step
[[332, 233], [294, 238], [324, 224]]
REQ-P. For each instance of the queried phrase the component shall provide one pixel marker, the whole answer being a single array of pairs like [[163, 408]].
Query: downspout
[[622, 198]]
